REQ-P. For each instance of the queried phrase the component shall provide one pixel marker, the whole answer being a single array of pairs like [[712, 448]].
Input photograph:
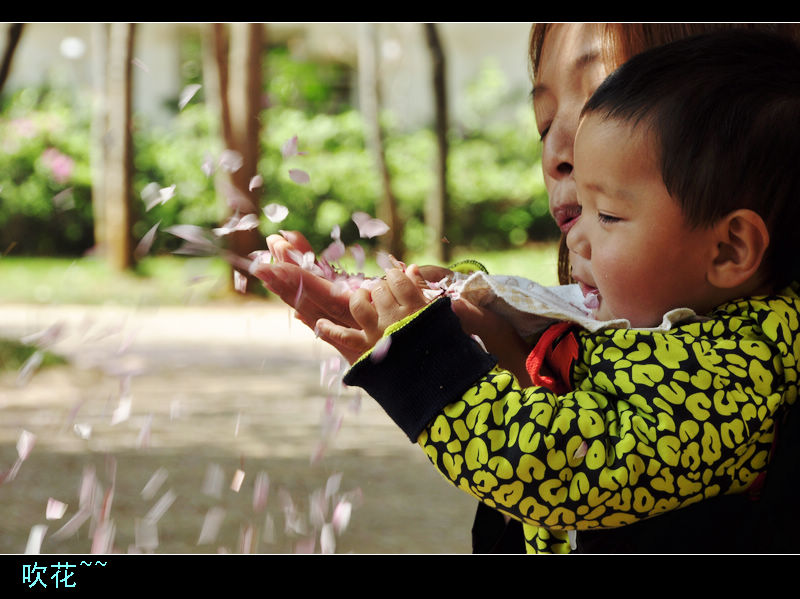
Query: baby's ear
[[742, 239]]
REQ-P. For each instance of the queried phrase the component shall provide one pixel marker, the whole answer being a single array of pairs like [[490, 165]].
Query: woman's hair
[[723, 111], [622, 41]]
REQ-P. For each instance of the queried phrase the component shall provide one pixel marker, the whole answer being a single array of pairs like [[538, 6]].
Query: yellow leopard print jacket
[[655, 421]]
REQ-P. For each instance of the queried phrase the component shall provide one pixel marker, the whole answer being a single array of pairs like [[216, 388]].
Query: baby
[[686, 176]]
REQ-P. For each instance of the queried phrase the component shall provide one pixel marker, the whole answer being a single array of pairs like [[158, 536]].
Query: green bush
[[497, 198]]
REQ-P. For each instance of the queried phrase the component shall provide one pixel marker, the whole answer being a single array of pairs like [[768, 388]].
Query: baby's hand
[[387, 301]]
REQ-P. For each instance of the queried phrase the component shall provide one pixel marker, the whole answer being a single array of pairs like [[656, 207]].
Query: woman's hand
[[375, 308]]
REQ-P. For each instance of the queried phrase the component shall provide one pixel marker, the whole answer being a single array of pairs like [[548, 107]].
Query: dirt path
[[189, 399]]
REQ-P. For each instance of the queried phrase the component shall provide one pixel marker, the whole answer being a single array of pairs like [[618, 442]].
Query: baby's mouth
[[591, 297]]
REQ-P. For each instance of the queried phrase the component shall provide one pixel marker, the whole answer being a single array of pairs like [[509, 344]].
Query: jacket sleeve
[[654, 421]]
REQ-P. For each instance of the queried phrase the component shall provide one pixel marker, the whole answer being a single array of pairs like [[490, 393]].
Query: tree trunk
[[14, 33], [99, 130], [370, 100], [238, 49], [117, 188], [436, 208]]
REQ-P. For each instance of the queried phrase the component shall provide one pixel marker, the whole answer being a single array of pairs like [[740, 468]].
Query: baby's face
[[631, 246]]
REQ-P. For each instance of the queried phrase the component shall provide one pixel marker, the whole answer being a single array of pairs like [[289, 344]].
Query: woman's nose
[[557, 157]]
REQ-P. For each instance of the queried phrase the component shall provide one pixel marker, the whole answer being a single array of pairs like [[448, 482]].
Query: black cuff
[[430, 363]]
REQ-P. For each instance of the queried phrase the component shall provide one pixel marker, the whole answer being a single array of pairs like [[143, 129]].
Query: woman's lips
[[565, 216]]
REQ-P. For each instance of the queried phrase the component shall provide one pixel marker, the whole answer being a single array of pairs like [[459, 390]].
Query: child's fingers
[[363, 311], [406, 287]]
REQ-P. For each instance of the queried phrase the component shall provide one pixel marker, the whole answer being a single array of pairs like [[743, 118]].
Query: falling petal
[[239, 282], [156, 480], [381, 349], [367, 226], [212, 484], [25, 444], [46, 337], [581, 451], [289, 147], [255, 182], [298, 176], [231, 160], [208, 165], [236, 483], [138, 63], [305, 546], [29, 367], [187, 94], [260, 491], [55, 509], [123, 410], [327, 540], [359, 255], [341, 516], [269, 529], [146, 242], [145, 534], [83, 430], [334, 252], [246, 537], [237, 223], [275, 212], [332, 485], [161, 506], [103, 538], [211, 525], [35, 539]]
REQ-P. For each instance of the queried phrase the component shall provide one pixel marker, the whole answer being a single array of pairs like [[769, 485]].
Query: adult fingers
[[310, 295], [350, 343], [282, 247]]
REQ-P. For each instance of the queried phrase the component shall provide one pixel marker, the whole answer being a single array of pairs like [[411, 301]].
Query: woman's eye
[[607, 218], [544, 132]]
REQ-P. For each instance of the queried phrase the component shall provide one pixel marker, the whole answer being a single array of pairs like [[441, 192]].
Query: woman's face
[[570, 69]]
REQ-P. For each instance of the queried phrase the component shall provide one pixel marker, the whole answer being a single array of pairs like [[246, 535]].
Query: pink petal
[[581, 451], [231, 160], [327, 540], [146, 242], [298, 176], [239, 282], [55, 509], [334, 252], [381, 348], [187, 94], [367, 226], [359, 255], [289, 147], [238, 478], [255, 182], [260, 491], [276, 212], [341, 516], [25, 444]]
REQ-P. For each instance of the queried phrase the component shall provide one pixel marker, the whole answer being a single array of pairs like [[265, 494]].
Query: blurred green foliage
[[497, 197]]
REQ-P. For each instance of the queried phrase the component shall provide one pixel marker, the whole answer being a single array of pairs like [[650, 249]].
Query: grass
[[175, 280]]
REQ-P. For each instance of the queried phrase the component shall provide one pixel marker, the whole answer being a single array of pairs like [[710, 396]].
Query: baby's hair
[[724, 109]]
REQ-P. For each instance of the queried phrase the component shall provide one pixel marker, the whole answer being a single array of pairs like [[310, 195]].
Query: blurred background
[[153, 399]]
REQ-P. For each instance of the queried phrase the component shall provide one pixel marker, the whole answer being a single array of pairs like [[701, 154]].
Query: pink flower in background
[[23, 127], [60, 165]]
